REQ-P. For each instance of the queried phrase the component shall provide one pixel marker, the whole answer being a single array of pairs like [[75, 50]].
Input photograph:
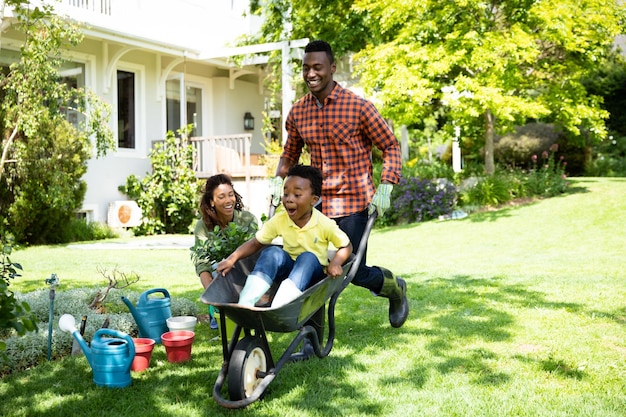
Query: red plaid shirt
[[339, 136]]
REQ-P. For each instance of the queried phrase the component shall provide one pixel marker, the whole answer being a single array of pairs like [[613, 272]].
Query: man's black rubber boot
[[395, 290]]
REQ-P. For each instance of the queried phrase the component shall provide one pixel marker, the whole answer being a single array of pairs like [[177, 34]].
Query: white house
[[162, 64]]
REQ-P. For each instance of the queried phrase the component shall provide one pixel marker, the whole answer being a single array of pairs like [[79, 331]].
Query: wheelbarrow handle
[[271, 210], [358, 258]]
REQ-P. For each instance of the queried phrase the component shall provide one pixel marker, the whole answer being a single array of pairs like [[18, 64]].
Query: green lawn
[[515, 312]]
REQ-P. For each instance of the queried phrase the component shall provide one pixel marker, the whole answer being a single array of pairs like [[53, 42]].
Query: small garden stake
[[53, 282]]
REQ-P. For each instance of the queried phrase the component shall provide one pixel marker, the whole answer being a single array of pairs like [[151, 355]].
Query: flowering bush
[[416, 200], [547, 177]]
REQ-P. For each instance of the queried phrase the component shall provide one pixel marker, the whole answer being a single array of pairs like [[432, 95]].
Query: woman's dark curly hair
[[209, 215]]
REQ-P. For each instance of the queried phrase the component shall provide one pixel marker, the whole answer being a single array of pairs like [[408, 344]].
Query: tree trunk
[[490, 167], [5, 150]]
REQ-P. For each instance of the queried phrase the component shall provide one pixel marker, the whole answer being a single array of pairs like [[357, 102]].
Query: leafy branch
[[13, 313], [117, 280], [220, 243]]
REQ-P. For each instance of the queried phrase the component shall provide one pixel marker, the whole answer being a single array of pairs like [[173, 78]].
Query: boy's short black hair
[[320, 46], [314, 175]]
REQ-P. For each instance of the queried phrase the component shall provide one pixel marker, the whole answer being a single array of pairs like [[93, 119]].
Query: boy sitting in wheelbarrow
[[306, 235]]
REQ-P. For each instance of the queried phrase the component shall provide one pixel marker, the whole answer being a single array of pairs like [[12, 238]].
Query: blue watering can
[[110, 358], [151, 313]]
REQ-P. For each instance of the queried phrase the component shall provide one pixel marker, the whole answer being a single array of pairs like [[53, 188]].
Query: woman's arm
[[206, 279]]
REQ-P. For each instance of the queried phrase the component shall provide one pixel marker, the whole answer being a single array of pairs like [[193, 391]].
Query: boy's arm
[[246, 249], [335, 268]]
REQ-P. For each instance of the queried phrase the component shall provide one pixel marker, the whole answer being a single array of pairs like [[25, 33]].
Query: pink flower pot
[[143, 353], [178, 345]]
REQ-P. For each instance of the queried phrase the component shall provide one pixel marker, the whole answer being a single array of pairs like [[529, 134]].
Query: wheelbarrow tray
[[223, 293]]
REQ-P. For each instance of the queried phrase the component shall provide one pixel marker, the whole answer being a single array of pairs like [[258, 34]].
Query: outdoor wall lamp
[[248, 121]]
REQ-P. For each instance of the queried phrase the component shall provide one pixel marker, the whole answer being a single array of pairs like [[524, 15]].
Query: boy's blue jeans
[[274, 263]]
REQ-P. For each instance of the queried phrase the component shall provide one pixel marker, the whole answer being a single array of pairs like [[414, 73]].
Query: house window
[[191, 112], [125, 109], [73, 76]]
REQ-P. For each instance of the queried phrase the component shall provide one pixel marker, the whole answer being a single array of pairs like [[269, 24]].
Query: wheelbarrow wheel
[[248, 360]]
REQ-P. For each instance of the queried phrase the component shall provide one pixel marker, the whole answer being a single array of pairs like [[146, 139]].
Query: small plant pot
[[143, 353], [230, 325], [182, 323], [178, 345]]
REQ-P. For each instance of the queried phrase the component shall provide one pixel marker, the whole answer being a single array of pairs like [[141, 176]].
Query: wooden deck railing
[[97, 6], [228, 154]]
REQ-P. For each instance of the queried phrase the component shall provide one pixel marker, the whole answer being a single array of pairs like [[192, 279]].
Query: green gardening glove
[[381, 200], [276, 190]]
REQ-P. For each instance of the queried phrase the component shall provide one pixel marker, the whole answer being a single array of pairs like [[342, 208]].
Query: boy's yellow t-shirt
[[314, 237]]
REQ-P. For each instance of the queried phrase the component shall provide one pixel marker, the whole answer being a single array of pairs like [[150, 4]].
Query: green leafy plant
[[547, 178], [167, 196], [54, 160], [491, 190], [609, 159], [14, 314], [221, 243]]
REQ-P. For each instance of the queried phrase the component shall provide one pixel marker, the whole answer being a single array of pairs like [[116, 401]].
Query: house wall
[[223, 111], [122, 42], [231, 105]]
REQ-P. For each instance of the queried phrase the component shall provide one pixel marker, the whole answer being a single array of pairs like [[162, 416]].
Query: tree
[[331, 20], [502, 61], [609, 81], [41, 186]]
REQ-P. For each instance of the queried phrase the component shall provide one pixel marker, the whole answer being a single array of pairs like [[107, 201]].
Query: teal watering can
[[151, 313], [110, 356]]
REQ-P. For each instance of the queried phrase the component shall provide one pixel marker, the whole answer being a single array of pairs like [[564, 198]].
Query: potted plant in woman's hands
[[220, 243]]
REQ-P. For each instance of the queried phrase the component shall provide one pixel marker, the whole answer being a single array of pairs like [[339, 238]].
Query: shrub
[[25, 351], [428, 169], [39, 196], [168, 196], [81, 231], [14, 313], [609, 159], [547, 177], [415, 200], [492, 190], [515, 149], [41, 187]]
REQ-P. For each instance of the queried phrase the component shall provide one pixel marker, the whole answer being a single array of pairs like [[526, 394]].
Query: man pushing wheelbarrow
[[339, 128]]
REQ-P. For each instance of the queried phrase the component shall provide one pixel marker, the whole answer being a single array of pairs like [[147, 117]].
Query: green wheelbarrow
[[248, 365]]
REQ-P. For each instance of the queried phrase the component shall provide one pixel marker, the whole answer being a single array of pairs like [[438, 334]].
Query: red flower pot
[[178, 345], [143, 353]]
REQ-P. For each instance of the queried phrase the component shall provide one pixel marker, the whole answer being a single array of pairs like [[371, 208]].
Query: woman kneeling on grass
[[306, 234], [220, 205]]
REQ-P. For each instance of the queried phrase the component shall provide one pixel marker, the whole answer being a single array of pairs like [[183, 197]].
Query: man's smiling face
[[317, 72]]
